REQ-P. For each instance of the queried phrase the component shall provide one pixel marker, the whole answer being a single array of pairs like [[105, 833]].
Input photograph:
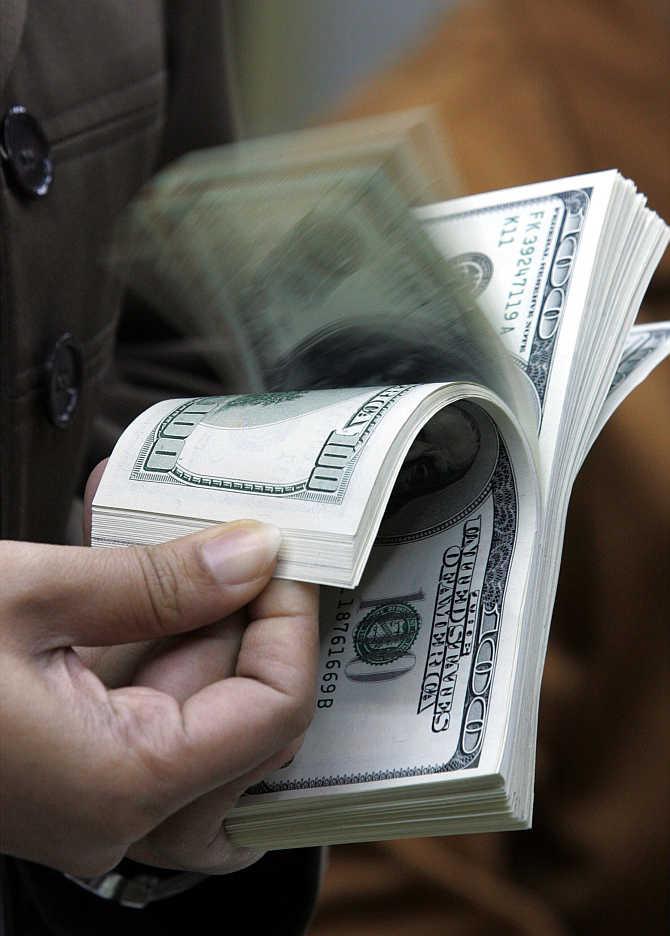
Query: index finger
[[280, 647]]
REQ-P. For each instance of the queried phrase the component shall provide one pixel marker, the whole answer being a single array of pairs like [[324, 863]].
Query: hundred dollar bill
[[320, 464], [409, 658], [521, 254], [545, 243], [417, 662], [646, 346], [407, 146], [323, 279], [551, 276]]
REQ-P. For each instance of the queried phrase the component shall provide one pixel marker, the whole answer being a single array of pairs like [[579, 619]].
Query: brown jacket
[[94, 77]]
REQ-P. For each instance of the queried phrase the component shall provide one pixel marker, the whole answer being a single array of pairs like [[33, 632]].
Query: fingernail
[[242, 552]]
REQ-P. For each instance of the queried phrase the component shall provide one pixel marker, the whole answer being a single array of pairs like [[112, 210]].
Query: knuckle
[[299, 713], [162, 576], [294, 695], [132, 807]]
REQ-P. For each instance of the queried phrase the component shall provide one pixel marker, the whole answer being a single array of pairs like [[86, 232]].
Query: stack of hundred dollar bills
[[419, 387]]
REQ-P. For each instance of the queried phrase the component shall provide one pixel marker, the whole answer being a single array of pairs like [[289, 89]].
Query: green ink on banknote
[[386, 633]]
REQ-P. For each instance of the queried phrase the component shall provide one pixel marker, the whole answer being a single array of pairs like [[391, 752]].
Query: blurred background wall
[[296, 58]]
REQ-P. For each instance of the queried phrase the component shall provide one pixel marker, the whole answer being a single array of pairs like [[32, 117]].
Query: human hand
[[90, 774]]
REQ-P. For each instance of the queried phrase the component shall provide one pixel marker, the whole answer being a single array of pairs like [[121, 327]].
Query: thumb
[[65, 595]]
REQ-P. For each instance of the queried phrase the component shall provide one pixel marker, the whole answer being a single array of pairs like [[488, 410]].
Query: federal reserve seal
[[386, 633], [476, 269]]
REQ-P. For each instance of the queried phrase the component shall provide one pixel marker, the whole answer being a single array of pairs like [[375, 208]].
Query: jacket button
[[25, 152], [64, 376]]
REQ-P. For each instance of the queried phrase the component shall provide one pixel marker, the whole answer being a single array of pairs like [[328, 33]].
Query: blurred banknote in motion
[[302, 263]]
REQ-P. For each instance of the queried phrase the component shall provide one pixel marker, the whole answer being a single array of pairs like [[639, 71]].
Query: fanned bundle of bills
[[424, 386]]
